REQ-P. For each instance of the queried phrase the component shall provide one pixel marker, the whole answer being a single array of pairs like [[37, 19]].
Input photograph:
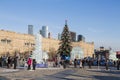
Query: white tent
[[77, 52], [112, 55]]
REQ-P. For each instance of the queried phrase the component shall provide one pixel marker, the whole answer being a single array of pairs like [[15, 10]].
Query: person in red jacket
[[29, 62]]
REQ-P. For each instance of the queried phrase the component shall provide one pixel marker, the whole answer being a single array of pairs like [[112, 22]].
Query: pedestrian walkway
[[60, 74], [102, 68], [10, 70], [24, 74], [52, 68]]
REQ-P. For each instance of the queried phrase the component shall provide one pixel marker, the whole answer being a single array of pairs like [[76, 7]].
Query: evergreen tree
[[65, 44]]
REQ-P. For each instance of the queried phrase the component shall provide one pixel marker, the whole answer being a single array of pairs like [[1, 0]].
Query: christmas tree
[[65, 43]]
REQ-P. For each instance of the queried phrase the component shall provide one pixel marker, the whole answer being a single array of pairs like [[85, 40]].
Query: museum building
[[10, 42]]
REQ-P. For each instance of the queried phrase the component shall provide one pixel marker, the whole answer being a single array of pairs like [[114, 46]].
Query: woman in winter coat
[[29, 62], [80, 63]]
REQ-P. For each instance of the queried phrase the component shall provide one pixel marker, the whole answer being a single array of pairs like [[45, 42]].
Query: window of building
[[8, 41], [32, 44], [3, 40], [27, 44]]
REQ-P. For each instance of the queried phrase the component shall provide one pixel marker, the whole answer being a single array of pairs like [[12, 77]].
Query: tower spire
[[65, 22]]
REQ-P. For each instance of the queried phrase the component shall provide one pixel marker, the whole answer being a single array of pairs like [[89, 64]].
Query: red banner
[[118, 53]]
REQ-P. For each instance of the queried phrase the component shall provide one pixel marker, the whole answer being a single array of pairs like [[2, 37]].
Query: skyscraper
[[73, 36], [81, 38], [40, 31], [59, 36], [49, 35], [45, 31], [30, 29]]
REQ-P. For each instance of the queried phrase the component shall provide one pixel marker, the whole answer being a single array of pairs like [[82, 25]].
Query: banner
[[118, 54]]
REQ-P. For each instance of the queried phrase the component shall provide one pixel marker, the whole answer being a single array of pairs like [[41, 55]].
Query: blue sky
[[97, 20]]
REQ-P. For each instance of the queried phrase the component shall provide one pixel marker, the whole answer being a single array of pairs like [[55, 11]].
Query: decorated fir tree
[[65, 43]]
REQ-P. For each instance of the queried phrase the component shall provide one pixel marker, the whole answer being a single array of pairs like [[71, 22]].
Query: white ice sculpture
[[38, 54]]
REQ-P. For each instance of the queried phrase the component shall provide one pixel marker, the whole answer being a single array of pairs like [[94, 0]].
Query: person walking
[[8, 62], [75, 63], [118, 64], [34, 64], [29, 62], [15, 62], [89, 63], [83, 63], [23, 62], [106, 64], [64, 64], [1, 61], [114, 63], [80, 63]]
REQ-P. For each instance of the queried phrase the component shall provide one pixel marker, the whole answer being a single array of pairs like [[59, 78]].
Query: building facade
[[45, 31], [59, 36], [30, 29], [12, 41], [81, 38], [73, 36], [49, 35]]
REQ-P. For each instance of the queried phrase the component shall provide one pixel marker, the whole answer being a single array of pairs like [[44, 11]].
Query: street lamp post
[[98, 61], [6, 46], [106, 56]]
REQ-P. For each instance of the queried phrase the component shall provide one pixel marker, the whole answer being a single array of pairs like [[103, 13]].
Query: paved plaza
[[60, 74]]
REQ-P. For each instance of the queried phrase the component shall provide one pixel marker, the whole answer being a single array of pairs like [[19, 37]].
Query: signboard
[[118, 54]]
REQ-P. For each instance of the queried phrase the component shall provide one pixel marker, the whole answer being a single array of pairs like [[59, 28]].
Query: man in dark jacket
[[9, 62], [75, 63], [15, 62], [34, 64], [1, 61], [118, 64]]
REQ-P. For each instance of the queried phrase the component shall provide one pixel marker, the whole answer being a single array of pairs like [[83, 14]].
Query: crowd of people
[[9, 61], [76, 62], [90, 62], [14, 62], [87, 62], [82, 62], [31, 63]]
